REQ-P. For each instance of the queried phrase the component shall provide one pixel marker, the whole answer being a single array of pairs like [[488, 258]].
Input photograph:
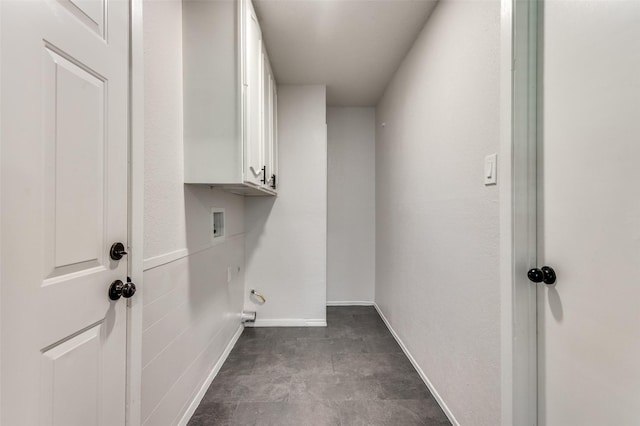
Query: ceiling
[[352, 46]]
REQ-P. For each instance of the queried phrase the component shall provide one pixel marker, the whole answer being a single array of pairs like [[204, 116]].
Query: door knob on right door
[[545, 274]]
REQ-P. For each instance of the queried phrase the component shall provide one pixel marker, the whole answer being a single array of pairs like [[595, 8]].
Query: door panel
[[64, 201], [74, 122], [589, 344], [89, 12], [71, 378]]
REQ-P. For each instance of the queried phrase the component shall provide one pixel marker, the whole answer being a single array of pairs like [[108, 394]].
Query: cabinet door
[[253, 146], [273, 160], [267, 116]]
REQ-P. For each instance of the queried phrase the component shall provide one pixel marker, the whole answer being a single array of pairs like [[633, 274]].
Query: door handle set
[[118, 289], [546, 274]]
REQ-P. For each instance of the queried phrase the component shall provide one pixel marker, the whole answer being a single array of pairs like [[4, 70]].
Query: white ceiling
[[352, 46]]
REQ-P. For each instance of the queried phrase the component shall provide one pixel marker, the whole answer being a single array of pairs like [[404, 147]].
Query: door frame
[[518, 209], [136, 214], [0, 210]]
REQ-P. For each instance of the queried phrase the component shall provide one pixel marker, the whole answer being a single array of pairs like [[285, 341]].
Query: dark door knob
[[129, 289], [117, 251], [545, 274], [118, 289]]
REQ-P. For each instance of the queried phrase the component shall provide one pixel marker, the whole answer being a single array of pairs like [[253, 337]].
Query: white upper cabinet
[[229, 98]]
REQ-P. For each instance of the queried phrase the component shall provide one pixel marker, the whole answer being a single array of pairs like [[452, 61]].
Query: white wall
[[286, 237], [351, 204], [190, 312], [437, 224]]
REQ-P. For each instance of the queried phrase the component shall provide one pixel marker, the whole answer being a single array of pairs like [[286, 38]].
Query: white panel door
[[253, 148], [64, 127], [589, 321]]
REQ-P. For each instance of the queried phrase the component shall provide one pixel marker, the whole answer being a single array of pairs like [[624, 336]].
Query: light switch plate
[[491, 169]]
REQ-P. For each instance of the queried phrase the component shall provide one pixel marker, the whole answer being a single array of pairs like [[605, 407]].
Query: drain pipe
[[248, 316]]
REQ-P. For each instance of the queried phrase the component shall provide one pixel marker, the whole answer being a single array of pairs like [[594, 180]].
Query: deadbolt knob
[[117, 251], [545, 274]]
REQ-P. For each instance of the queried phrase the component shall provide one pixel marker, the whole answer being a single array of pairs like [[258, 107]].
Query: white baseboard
[[214, 372], [288, 323], [423, 376], [350, 303]]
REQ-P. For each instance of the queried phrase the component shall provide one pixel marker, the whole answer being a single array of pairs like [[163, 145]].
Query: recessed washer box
[[217, 225]]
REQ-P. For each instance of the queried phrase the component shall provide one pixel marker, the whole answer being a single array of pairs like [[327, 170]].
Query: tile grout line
[[235, 410]]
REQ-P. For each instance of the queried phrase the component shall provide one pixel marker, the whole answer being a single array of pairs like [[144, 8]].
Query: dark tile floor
[[350, 373]]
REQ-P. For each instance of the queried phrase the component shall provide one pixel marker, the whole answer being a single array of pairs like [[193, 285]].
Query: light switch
[[491, 169]]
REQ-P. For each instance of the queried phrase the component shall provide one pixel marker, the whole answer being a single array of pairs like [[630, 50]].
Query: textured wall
[[286, 240], [437, 224], [190, 311], [351, 204], [164, 210]]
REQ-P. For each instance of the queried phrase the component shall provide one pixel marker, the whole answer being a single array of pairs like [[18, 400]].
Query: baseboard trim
[[350, 303], [214, 372], [288, 323], [423, 376]]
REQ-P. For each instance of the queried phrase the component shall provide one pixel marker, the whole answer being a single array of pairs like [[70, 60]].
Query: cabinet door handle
[[253, 170], [273, 181], [264, 175]]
